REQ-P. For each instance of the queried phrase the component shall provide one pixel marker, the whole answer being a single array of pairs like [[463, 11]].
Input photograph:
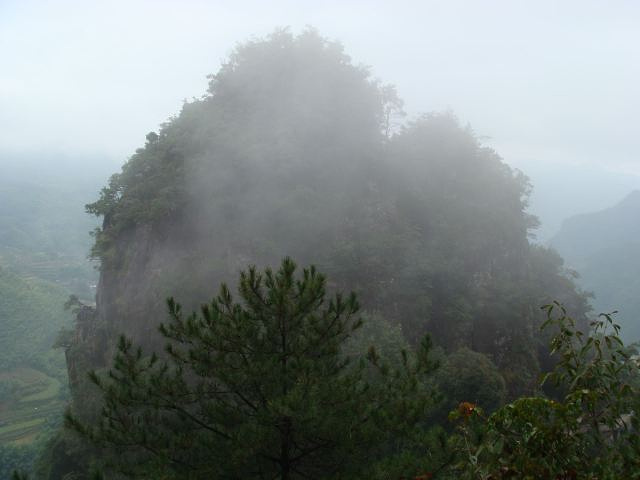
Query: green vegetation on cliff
[[295, 151]]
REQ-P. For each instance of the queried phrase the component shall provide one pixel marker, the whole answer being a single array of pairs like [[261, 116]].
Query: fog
[[318, 240], [550, 85]]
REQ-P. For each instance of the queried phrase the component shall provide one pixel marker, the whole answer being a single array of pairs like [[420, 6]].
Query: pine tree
[[257, 389]]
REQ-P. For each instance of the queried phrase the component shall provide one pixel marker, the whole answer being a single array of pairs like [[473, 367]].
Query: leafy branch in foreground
[[590, 433]]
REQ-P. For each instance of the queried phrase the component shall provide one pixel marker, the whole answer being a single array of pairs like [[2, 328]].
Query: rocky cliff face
[[125, 298], [154, 262]]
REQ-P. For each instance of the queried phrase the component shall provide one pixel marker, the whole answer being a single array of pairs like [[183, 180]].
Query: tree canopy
[[258, 389]]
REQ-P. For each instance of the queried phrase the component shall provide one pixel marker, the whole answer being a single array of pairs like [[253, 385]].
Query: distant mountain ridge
[[604, 247], [584, 235]]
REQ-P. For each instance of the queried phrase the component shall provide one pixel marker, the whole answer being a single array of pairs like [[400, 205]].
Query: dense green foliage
[[590, 433], [258, 389], [468, 376], [274, 387]]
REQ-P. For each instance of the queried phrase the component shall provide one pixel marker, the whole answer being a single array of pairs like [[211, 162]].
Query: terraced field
[[35, 402]]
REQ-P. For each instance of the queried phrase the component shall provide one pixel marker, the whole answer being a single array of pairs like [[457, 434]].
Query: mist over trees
[[296, 152]]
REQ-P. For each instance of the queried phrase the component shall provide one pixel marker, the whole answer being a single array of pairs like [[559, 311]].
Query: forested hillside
[[43, 229], [604, 248], [32, 313], [33, 376], [44, 245], [294, 151]]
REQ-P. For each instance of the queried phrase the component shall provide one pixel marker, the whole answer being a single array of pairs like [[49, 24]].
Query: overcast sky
[[552, 85]]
